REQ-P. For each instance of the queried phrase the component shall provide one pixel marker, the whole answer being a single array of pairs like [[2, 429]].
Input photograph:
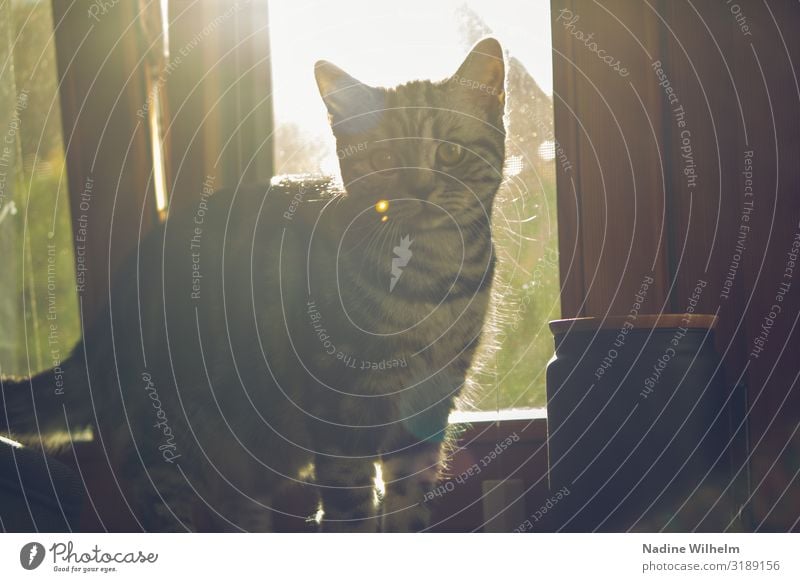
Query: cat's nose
[[421, 184]]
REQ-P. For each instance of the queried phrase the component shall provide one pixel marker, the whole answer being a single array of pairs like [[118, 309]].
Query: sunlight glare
[[386, 44], [547, 150]]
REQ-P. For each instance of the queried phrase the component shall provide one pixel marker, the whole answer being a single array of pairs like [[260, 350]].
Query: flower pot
[[642, 428]]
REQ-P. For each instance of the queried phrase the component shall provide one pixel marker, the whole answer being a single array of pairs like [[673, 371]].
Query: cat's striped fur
[[329, 330]]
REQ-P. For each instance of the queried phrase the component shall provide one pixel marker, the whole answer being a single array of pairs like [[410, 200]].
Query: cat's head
[[433, 150]]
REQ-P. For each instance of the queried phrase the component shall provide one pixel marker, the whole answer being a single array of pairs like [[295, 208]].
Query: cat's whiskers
[[374, 233], [368, 230], [377, 250]]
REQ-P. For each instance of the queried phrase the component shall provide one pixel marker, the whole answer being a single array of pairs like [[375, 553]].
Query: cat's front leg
[[407, 477], [347, 489]]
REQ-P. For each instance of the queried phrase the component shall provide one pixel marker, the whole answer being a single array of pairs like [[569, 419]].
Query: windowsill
[[507, 414], [481, 427]]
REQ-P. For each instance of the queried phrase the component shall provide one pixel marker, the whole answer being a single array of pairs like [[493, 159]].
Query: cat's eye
[[449, 154], [382, 159]]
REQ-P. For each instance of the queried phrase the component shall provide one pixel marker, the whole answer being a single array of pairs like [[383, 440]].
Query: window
[[387, 45], [38, 299]]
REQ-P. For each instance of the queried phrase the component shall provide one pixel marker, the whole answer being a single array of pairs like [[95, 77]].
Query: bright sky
[[385, 43]]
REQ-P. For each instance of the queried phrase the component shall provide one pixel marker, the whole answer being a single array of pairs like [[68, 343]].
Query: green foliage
[[39, 322], [527, 283], [48, 285]]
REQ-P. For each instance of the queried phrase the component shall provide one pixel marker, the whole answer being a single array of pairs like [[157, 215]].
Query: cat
[[309, 330]]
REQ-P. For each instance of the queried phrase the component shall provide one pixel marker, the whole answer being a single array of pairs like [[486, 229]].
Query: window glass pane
[[38, 299], [385, 45]]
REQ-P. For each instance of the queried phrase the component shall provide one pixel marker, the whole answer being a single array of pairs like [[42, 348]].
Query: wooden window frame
[[626, 207], [596, 110]]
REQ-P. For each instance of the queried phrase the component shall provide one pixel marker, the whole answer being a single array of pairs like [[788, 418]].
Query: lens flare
[[382, 206]]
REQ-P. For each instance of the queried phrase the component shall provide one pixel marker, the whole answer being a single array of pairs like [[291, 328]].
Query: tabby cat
[[301, 332]]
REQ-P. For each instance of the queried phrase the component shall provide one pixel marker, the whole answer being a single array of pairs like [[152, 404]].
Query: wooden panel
[[704, 151], [570, 237], [735, 230], [604, 105], [727, 87], [771, 100], [218, 86], [108, 158], [461, 509]]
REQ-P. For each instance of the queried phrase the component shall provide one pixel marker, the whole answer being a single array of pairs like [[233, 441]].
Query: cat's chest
[[374, 315], [401, 336]]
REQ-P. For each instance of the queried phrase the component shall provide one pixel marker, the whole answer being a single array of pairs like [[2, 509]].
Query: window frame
[[593, 282]]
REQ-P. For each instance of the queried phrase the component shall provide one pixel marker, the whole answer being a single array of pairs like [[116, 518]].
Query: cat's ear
[[483, 72], [346, 98]]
